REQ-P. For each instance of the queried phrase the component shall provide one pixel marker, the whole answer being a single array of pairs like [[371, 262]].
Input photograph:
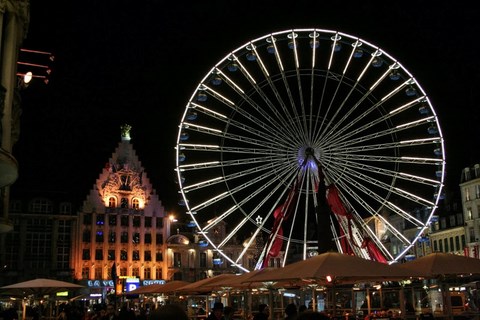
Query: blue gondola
[[232, 67], [251, 56], [184, 136], [423, 109], [358, 53], [394, 75], [432, 130], [410, 91], [377, 62], [192, 116], [216, 80]]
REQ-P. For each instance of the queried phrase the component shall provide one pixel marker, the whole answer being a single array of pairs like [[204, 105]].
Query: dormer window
[[135, 204], [112, 202]]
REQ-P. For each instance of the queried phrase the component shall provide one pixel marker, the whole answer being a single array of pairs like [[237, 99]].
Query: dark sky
[[138, 62]]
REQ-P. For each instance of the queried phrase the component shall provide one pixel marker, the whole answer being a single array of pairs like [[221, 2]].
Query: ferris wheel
[[305, 140]]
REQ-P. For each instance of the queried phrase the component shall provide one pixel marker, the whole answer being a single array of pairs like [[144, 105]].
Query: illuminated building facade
[[122, 222], [470, 193]]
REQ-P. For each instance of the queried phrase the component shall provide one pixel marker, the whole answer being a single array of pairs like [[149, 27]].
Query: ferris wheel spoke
[[381, 201], [333, 122], [299, 84], [341, 104], [254, 181], [260, 225], [408, 125], [387, 187], [293, 113], [361, 220], [347, 147], [387, 173], [270, 82], [265, 113], [249, 217], [229, 163], [280, 138], [392, 159], [235, 137], [351, 121], [238, 174]]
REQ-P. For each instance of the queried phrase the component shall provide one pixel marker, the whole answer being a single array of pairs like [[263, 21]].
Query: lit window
[[135, 204], [112, 202], [135, 255], [99, 236], [100, 219]]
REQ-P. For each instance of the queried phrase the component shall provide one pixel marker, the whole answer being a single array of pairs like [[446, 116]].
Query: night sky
[[138, 62]]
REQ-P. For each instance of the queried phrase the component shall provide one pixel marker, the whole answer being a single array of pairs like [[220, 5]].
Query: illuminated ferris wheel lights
[[295, 90]]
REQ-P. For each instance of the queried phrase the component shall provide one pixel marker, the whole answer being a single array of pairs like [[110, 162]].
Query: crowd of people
[[292, 312], [168, 312]]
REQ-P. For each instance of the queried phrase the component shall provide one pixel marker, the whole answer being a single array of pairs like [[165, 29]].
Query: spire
[[125, 130]]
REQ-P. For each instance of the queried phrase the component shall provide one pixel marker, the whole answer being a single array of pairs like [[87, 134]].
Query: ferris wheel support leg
[[322, 210]]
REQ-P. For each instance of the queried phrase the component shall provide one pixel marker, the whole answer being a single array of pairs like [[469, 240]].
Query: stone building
[[470, 195]]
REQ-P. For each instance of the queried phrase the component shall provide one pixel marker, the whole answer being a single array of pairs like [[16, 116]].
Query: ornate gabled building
[[122, 223]]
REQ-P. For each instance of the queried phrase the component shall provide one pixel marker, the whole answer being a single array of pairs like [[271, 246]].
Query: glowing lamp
[[28, 77]]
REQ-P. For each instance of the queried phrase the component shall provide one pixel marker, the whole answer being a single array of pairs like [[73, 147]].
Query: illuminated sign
[[149, 282], [132, 284]]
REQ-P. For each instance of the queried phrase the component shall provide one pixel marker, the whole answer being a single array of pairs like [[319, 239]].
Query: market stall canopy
[[442, 264], [168, 287], [39, 286], [334, 267], [207, 284]]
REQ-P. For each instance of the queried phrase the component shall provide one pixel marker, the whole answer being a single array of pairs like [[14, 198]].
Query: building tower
[[122, 222]]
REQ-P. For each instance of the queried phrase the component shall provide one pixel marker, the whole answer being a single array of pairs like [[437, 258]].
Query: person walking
[[228, 313], [263, 312], [168, 312], [291, 311], [217, 312]]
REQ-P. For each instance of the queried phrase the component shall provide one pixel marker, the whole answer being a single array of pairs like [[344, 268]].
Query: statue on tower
[[125, 130]]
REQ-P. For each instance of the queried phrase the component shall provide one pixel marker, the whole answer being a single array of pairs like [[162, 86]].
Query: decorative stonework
[[125, 181]]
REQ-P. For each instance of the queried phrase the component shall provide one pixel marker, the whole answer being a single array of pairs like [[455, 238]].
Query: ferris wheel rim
[[349, 160]]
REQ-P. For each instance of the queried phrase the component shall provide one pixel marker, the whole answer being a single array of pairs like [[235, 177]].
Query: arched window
[[112, 202], [135, 204]]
